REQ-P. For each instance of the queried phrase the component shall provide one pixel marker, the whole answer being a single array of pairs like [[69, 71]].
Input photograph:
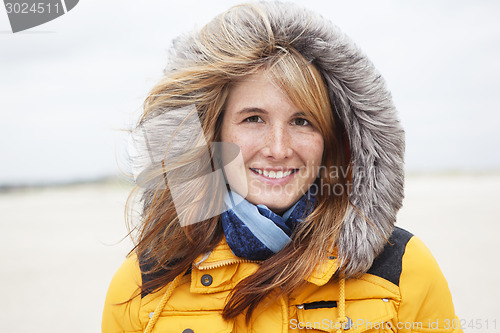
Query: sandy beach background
[[60, 247]]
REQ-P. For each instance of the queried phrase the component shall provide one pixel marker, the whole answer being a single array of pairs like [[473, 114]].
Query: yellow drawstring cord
[[341, 306], [163, 302], [284, 311]]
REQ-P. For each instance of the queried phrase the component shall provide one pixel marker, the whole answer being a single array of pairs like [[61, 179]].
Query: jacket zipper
[[226, 262]]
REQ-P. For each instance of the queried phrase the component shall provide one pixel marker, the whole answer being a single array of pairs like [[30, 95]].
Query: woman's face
[[281, 150]]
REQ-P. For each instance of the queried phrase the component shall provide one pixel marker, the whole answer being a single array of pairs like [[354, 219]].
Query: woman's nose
[[278, 143]]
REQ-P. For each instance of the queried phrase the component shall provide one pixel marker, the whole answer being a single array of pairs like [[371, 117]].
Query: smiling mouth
[[274, 174]]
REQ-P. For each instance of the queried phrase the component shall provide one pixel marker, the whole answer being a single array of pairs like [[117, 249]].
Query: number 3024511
[[35, 8]]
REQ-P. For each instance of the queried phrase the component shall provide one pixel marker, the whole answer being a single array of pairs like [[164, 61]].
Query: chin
[[277, 206]]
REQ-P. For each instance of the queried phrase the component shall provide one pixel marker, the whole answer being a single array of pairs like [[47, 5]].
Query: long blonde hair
[[235, 44]]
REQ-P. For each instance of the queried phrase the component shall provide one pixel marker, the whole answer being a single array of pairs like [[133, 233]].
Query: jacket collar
[[222, 256]]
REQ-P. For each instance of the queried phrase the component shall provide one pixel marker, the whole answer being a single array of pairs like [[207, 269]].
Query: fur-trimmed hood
[[363, 104]]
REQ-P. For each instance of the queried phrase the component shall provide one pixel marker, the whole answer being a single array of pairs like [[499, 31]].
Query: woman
[[271, 172]]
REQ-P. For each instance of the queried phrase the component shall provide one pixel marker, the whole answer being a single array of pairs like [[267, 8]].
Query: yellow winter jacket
[[404, 291]]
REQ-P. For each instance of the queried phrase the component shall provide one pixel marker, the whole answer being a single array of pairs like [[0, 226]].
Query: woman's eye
[[300, 122], [253, 119]]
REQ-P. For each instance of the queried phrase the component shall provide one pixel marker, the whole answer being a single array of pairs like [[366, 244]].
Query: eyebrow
[[251, 110], [263, 111]]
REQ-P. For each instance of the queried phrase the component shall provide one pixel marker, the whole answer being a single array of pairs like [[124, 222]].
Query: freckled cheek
[[247, 151], [311, 149], [248, 146]]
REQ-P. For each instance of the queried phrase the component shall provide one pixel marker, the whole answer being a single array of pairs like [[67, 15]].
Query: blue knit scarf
[[254, 232]]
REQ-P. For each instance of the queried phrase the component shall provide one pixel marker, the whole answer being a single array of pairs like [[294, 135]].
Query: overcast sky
[[67, 87]]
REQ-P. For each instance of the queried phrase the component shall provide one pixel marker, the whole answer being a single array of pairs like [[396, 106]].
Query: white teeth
[[273, 174]]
